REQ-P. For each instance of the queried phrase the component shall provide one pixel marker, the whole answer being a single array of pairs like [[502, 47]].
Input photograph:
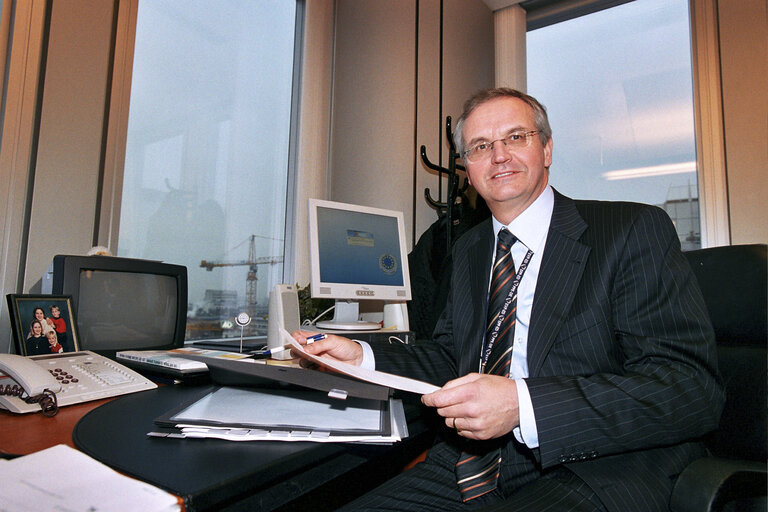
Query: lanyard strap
[[491, 341]]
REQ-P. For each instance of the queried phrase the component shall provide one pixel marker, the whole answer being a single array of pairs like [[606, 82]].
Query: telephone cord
[[47, 399]]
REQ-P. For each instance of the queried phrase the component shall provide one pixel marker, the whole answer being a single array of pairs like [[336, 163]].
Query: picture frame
[[58, 316]]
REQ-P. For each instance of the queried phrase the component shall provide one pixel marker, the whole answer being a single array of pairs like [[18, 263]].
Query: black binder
[[244, 374]]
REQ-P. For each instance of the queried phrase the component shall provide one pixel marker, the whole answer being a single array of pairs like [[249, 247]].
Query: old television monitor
[[356, 253], [122, 303]]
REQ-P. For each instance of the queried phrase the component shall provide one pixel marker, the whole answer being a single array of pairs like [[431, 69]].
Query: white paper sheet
[[375, 377], [62, 478], [279, 408]]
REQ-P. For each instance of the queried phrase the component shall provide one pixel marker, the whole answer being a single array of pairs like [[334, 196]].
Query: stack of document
[[239, 414], [62, 478]]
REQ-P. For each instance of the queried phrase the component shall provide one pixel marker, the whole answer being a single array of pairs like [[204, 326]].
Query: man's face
[[509, 179]]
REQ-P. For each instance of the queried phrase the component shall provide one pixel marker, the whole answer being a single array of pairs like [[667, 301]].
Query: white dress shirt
[[530, 228]]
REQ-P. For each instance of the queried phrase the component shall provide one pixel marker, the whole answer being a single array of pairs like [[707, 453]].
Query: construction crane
[[252, 262]]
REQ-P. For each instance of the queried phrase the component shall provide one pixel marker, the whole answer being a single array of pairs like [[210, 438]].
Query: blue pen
[[316, 337], [270, 352]]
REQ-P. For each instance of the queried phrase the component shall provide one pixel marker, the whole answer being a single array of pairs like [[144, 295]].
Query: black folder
[[260, 374], [297, 412]]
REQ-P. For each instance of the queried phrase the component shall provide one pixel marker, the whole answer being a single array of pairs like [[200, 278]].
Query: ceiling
[[541, 13]]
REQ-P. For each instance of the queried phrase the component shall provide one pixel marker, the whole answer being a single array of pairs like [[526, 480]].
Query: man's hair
[[480, 97]]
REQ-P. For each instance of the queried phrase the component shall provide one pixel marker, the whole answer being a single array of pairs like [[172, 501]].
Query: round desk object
[[242, 320]]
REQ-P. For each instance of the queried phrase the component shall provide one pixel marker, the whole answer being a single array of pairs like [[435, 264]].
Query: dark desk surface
[[212, 474]]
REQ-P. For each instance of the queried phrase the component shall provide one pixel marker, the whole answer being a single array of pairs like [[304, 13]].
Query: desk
[[211, 474], [22, 434]]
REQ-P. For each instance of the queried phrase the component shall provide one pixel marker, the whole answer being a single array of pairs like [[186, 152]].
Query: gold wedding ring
[[454, 425]]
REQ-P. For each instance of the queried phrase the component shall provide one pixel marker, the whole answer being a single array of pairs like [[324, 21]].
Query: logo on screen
[[388, 264]]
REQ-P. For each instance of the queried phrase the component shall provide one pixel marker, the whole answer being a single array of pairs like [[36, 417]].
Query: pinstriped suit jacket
[[621, 354]]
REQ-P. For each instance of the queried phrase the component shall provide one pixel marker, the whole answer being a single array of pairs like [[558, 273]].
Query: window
[[618, 88], [206, 173]]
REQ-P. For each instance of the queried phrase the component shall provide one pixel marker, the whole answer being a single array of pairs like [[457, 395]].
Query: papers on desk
[[62, 478], [237, 414]]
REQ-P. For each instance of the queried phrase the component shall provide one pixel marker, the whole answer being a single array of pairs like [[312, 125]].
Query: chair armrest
[[710, 482]]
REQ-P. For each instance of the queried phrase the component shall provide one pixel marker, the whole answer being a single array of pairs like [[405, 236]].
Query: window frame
[[111, 191], [708, 124]]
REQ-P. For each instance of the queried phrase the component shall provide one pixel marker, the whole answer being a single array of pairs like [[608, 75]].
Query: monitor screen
[[145, 305], [124, 303], [357, 253]]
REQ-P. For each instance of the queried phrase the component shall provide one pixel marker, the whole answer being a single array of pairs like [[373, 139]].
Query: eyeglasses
[[515, 140]]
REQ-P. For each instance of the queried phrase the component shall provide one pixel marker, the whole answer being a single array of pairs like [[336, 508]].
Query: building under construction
[[214, 317]]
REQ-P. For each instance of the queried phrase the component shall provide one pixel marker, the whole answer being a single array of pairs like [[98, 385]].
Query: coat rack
[[446, 208]]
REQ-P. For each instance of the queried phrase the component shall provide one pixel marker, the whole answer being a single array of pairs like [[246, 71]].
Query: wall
[[389, 98], [467, 62], [743, 28], [66, 177], [373, 104]]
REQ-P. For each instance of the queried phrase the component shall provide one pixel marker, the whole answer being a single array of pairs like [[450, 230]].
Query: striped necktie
[[478, 473]]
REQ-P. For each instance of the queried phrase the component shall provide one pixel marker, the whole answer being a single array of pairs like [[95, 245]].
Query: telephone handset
[[33, 384], [49, 381]]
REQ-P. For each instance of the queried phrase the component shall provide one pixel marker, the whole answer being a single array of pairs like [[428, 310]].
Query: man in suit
[[612, 372]]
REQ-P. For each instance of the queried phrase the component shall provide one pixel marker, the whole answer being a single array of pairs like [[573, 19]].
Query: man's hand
[[333, 347], [478, 406]]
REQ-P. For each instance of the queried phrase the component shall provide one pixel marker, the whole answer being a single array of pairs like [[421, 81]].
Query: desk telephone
[[29, 384]]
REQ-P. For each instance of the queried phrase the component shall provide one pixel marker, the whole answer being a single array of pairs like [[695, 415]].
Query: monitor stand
[[345, 318]]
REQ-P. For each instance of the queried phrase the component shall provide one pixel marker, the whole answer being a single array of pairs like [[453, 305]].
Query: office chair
[[733, 282]]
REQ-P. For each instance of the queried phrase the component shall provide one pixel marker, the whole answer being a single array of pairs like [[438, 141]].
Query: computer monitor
[[356, 253], [122, 303]]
